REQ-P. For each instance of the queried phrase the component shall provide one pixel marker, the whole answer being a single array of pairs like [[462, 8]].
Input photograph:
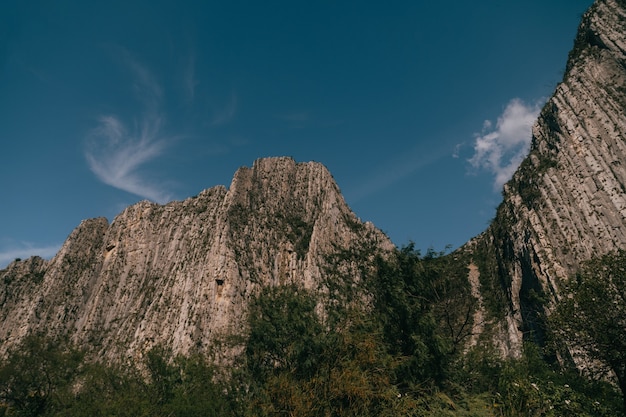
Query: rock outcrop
[[567, 201], [180, 274]]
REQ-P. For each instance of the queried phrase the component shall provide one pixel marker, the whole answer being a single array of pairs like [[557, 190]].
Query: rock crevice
[[180, 274], [567, 201]]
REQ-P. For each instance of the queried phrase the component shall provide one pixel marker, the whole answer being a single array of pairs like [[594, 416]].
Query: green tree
[[110, 390], [301, 365], [164, 376], [195, 389], [282, 350], [37, 376], [166, 386], [284, 332], [592, 315], [424, 313]]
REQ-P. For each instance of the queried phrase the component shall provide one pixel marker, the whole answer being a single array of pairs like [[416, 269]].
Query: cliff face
[[567, 201], [180, 274]]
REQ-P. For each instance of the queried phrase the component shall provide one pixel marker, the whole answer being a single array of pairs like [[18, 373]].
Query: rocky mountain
[[567, 201], [180, 274]]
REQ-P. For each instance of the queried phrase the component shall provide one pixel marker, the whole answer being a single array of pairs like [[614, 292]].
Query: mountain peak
[[180, 274]]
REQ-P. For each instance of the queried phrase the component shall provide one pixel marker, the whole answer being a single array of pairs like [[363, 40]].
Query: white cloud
[[116, 153], [24, 251], [502, 148]]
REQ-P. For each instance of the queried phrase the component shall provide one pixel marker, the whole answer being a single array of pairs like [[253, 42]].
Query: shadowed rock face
[[567, 201], [181, 274]]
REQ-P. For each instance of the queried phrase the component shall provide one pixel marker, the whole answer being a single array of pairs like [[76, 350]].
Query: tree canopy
[[592, 316], [390, 344]]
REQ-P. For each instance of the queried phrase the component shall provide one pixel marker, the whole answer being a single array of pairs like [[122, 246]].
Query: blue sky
[[420, 109]]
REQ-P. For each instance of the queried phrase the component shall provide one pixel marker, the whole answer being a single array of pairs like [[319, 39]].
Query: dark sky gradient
[[105, 105]]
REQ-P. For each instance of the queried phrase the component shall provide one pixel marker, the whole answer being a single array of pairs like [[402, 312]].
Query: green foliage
[[405, 294], [284, 331], [295, 365], [527, 182], [108, 390], [193, 389], [36, 378], [528, 386], [592, 315], [48, 378], [381, 346], [493, 262], [297, 231], [584, 42], [389, 344]]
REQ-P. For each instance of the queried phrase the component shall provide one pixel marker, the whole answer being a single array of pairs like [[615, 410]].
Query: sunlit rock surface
[[179, 275], [567, 201]]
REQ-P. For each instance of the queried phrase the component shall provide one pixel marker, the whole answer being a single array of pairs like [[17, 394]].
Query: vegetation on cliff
[[392, 344], [591, 316]]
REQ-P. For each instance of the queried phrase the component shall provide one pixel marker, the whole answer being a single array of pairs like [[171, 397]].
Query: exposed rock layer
[[180, 274], [567, 201]]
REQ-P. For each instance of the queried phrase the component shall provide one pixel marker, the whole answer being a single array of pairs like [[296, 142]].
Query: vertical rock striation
[[567, 201], [180, 274]]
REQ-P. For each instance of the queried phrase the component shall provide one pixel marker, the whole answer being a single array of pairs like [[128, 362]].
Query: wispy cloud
[[216, 111], [395, 170], [145, 85], [225, 113], [116, 153], [297, 119], [190, 81], [303, 116], [8, 253], [501, 148]]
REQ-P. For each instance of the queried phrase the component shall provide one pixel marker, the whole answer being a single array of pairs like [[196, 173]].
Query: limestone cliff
[[180, 274], [567, 201]]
